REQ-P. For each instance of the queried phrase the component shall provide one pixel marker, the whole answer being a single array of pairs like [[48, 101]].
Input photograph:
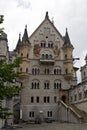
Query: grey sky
[[66, 13]]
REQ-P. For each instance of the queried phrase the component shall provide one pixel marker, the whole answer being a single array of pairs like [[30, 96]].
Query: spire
[[67, 39], [19, 41], [25, 36], [46, 16]]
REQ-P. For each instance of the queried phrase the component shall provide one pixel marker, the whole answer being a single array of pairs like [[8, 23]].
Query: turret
[[18, 44], [4, 52], [24, 48], [68, 62]]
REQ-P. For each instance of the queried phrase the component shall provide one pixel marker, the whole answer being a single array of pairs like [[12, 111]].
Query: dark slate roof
[[18, 43], [47, 16], [67, 41], [25, 36]]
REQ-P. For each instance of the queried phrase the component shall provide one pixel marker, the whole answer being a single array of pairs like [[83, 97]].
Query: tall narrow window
[[31, 114], [26, 70], [66, 71], [32, 99], [55, 99], [21, 54], [49, 113], [20, 69], [44, 99], [37, 99], [27, 55]]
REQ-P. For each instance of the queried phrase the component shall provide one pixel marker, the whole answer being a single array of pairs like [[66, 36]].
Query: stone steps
[[80, 112]]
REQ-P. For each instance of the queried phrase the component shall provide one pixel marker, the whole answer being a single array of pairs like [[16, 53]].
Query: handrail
[[68, 107]]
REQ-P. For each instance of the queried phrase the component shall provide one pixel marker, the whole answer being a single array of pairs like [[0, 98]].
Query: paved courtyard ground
[[53, 126]]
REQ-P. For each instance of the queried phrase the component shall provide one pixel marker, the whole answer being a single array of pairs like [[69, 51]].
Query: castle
[[49, 76]]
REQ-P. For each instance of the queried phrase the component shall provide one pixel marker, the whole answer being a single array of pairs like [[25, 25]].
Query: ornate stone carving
[[36, 49]]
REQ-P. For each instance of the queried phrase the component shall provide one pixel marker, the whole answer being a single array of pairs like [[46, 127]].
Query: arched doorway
[[63, 98]]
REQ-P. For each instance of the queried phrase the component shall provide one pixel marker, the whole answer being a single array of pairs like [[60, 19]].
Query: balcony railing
[[44, 60]]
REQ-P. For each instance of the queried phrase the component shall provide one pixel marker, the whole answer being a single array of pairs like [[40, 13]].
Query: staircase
[[70, 113], [83, 114]]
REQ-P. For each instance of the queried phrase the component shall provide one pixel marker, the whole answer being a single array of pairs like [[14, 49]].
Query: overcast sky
[[66, 13]]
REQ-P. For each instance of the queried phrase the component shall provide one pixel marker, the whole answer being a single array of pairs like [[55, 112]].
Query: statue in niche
[[56, 50], [36, 49]]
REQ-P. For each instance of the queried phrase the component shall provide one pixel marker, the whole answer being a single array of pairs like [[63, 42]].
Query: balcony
[[47, 61], [68, 76]]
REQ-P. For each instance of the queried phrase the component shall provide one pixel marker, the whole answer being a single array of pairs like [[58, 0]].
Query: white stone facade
[[48, 75]]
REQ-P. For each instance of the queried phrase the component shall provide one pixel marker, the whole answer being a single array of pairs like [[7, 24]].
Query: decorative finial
[[19, 35], [47, 17], [26, 26], [66, 29]]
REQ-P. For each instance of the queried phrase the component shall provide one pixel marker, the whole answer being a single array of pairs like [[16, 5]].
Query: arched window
[[32, 85], [66, 71], [46, 85], [65, 56], [20, 69], [57, 70], [35, 84], [49, 45], [21, 54], [35, 71], [57, 84], [32, 99], [37, 99], [43, 56], [50, 56], [46, 56], [26, 70], [38, 85], [46, 70], [27, 55], [43, 44]]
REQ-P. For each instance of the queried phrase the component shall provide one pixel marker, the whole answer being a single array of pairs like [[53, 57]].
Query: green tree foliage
[[8, 83]]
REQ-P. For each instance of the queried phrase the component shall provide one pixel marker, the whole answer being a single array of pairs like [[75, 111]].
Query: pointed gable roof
[[47, 18]]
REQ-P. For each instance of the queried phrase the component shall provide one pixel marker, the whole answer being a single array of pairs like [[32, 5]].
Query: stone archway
[[63, 98]]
